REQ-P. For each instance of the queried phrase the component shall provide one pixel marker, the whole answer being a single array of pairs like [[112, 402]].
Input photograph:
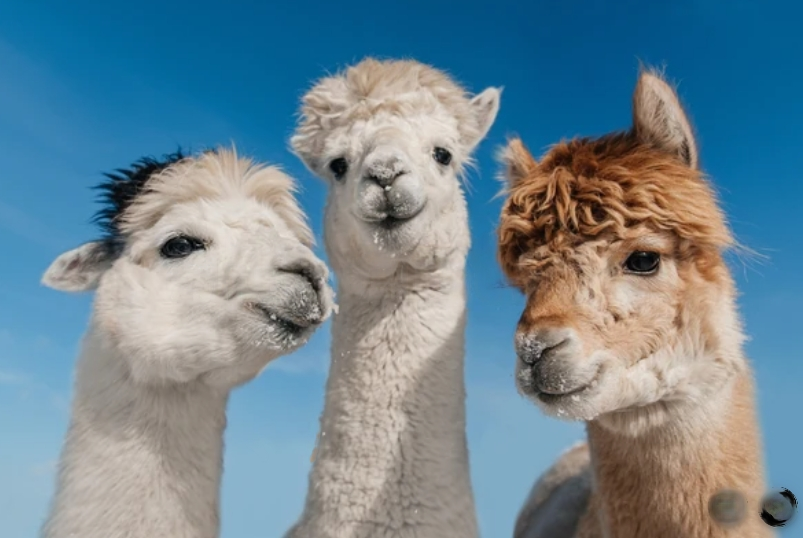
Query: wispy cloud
[[24, 225], [13, 378], [37, 102], [28, 388], [5, 338], [67, 116], [45, 468], [19, 375]]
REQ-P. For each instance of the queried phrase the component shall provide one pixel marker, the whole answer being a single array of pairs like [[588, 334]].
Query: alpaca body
[[658, 484], [631, 326], [394, 408], [205, 276], [392, 461], [138, 460], [559, 499]]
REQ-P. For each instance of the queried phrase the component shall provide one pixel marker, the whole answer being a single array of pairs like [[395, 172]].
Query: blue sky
[[90, 86]]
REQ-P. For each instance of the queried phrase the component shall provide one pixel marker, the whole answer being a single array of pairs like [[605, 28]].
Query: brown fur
[[670, 414], [659, 485], [590, 188]]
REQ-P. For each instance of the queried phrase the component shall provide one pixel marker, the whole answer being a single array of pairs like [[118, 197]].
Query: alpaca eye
[[642, 262], [180, 247], [339, 167], [442, 156]]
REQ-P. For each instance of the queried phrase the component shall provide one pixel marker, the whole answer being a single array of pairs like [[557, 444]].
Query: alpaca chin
[[396, 238], [639, 420]]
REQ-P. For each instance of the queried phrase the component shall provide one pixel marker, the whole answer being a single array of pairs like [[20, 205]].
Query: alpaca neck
[[392, 458], [659, 484], [138, 461]]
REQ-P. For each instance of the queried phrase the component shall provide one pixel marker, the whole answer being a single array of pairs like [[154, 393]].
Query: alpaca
[[631, 325], [203, 277], [392, 138]]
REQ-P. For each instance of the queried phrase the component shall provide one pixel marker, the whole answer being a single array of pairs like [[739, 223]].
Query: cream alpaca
[[205, 276], [391, 138], [631, 325]]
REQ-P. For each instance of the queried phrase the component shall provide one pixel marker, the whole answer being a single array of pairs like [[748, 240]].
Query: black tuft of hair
[[121, 188]]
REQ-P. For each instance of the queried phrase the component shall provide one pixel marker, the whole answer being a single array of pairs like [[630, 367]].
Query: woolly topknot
[[607, 186], [401, 87], [122, 188], [135, 198], [587, 188]]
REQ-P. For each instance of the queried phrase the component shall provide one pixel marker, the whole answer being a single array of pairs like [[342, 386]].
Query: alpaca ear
[[305, 144], [79, 269], [659, 119], [324, 101], [302, 145], [517, 161], [485, 107]]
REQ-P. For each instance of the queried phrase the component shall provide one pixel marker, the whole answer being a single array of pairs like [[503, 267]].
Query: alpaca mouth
[[551, 397], [391, 222], [294, 326], [554, 396]]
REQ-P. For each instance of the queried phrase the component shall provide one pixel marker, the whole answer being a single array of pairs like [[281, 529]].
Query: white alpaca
[[392, 138], [204, 277]]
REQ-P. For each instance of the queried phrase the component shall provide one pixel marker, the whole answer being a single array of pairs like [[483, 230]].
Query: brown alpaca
[[631, 325]]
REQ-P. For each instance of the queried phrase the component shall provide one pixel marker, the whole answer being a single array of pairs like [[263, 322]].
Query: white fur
[[170, 338], [392, 459]]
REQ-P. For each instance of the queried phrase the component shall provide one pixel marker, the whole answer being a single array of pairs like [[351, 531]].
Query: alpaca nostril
[[530, 350], [305, 270], [302, 302], [384, 180], [385, 167]]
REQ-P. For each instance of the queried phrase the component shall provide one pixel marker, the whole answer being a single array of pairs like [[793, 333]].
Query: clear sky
[[89, 86]]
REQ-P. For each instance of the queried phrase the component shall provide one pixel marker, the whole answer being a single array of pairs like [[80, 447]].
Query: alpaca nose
[[383, 180], [307, 270], [304, 302], [532, 347], [552, 360], [384, 167]]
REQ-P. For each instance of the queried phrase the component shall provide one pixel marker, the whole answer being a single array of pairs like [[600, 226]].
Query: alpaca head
[[209, 253], [617, 244], [392, 139]]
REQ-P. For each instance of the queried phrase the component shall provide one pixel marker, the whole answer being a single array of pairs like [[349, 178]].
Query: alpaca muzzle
[[550, 362]]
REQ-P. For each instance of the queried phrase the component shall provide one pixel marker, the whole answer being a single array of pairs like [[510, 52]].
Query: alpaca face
[[399, 186], [392, 157], [624, 324], [616, 244], [223, 272]]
